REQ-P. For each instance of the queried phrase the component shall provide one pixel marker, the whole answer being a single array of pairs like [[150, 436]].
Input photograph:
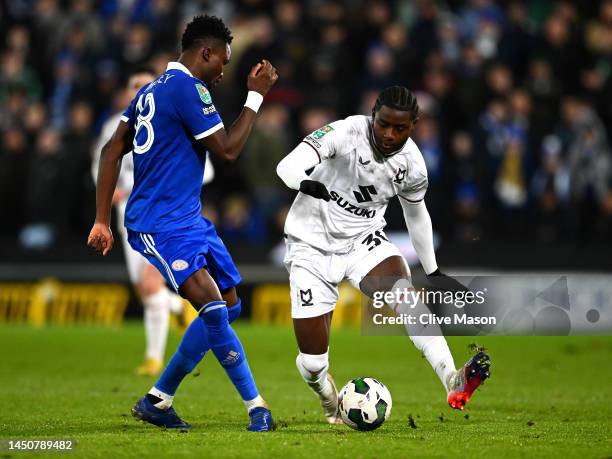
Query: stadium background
[[516, 121], [516, 128]]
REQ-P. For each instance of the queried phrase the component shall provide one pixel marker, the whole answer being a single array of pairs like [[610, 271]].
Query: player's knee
[[214, 314], [311, 366], [233, 312], [156, 301], [148, 286], [402, 284], [150, 280], [399, 298], [230, 296]]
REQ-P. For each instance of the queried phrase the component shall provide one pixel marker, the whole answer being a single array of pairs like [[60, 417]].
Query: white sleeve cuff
[[208, 132], [125, 119]]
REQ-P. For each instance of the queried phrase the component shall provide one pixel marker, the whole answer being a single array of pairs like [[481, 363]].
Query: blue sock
[[191, 350], [228, 349]]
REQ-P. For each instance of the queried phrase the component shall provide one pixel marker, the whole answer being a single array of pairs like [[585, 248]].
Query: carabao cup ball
[[365, 403]]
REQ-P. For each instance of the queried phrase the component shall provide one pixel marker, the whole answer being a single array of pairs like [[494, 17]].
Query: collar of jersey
[[178, 66]]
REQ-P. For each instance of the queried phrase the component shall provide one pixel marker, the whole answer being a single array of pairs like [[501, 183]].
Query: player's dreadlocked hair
[[399, 98], [202, 27]]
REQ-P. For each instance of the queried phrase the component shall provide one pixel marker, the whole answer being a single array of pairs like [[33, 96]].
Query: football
[[364, 403]]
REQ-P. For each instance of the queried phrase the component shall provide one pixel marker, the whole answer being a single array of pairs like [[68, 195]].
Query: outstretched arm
[[101, 238], [418, 223]]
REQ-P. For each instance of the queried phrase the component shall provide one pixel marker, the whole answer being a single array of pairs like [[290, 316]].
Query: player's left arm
[[228, 144], [418, 222], [108, 129], [419, 225], [321, 145], [100, 237]]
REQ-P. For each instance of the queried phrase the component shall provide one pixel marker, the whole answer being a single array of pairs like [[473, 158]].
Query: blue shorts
[[179, 253]]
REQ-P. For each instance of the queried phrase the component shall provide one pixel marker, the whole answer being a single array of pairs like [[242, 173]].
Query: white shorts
[[134, 261], [314, 275]]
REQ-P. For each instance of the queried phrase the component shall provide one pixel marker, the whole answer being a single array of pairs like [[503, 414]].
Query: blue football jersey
[[169, 115]]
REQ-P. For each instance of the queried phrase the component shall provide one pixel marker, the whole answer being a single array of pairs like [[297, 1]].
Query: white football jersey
[[360, 184]]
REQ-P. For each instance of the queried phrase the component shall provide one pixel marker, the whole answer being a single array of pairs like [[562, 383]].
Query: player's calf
[[228, 350], [156, 322]]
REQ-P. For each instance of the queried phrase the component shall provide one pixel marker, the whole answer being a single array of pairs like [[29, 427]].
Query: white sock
[[436, 351], [175, 302], [427, 338], [313, 368], [166, 400], [156, 322], [257, 401]]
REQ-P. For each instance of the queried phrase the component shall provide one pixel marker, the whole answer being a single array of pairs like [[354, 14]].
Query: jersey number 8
[[145, 103]]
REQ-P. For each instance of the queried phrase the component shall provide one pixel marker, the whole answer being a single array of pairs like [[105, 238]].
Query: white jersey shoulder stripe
[[208, 132]]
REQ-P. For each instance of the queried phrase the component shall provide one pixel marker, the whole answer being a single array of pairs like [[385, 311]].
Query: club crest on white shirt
[[400, 176]]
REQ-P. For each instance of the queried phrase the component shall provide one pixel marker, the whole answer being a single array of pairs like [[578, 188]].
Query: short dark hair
[[399, 98], [202, 27]]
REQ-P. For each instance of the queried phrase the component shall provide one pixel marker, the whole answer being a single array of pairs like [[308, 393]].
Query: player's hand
[[262, 77], [100, 238], [443, 282], [314, 189]]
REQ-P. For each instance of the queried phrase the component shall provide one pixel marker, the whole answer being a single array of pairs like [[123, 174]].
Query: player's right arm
[[100, 237], [322, 144], [292, 170], [108, 129], [228, 144]]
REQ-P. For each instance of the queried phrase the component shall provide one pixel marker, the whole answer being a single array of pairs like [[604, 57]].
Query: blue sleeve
[[195, 108]]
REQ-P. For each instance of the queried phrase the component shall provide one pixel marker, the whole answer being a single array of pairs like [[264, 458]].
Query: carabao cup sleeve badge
[[204, 94]]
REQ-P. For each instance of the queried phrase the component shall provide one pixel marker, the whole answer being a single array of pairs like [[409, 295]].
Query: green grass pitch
[[548, 397]]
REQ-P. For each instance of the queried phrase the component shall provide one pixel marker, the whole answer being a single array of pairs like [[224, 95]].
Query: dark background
[[516, 119]]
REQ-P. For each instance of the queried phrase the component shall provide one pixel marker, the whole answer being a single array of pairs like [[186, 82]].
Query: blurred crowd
[[515, 97]]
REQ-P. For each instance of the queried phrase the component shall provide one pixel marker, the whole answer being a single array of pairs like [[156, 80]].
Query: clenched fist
[[100, 238], [262, 77]]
